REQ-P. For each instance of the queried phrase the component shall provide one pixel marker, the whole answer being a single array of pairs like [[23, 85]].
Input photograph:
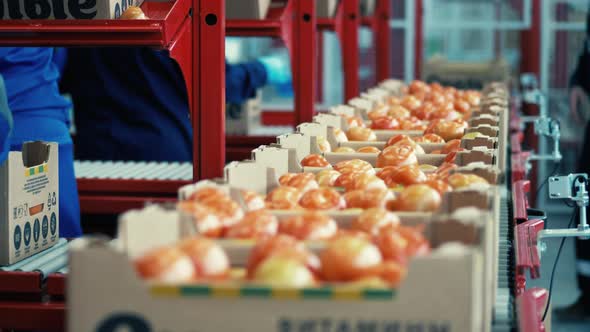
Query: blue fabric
[[5, 123], [60, 58], [31, 83], [40, 113], [132, 104], [243, 79]]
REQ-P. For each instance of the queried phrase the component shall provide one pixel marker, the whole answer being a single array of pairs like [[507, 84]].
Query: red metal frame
[[527, 256], [518, 165], [194, 33], [36, 316], [520, 202], [199, 49], [346, 23], [379, 23], [531, 305], [56, 285], [20, 282], [296, 25]]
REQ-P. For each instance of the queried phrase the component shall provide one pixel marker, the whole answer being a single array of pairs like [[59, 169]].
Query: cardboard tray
[[454, 202], [453, 301]]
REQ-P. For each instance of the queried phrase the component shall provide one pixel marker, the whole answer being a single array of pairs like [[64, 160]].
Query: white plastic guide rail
[[122, 170]]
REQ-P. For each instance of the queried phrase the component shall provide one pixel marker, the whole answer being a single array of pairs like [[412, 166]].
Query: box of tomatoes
[[160, 280]]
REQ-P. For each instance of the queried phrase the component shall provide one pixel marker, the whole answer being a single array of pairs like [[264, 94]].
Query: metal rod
[[570, 232]]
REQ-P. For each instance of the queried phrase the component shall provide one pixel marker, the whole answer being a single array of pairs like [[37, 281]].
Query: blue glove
[[278, 71], [5, 123]]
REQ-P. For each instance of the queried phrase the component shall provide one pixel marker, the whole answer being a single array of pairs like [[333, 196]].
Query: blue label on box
[[53, 223], [36, 230], [124, 322], [27, 234], [17, 237], [45, 227]]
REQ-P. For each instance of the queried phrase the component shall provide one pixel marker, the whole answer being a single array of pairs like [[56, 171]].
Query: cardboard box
[[29, 201], [243, 119], [64, 9], [326, 8], [246, 9], [451, 301], [462, 207]]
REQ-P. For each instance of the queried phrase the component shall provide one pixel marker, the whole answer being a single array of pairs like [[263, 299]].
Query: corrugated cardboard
[[64, 9], [453, 301], [29, 201], [246, 9]]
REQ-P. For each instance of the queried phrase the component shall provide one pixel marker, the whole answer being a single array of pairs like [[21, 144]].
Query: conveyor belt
[[123, 170], [46, 262], [504, 318]]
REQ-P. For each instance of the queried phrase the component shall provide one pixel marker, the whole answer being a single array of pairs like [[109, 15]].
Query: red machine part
[[527, 256], [520, 202], [531, 305], [56, 285], [20, 283], [515, 142], [518, 164]]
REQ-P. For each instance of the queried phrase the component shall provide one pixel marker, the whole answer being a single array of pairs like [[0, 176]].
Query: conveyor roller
[[131, 170]]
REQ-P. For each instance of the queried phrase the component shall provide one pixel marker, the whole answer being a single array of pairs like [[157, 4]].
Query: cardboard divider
[[384, 135], [464, 158], [484, 119]]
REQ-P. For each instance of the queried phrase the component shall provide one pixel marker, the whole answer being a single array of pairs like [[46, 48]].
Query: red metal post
[[530, 43], [349, 44], [418, 39], [304, 59], [382, 36], [209, 49]]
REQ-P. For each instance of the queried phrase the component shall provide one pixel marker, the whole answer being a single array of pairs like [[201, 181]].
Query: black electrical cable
[[544, 183], [555, 266]]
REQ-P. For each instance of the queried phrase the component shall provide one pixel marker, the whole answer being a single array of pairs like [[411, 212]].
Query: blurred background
[[503, 38]]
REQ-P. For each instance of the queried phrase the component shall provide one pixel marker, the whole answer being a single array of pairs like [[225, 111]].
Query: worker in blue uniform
[[5, 123], [39, 112], [131, 104]]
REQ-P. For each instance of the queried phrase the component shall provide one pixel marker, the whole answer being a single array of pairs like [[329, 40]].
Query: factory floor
[[565, 290]]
